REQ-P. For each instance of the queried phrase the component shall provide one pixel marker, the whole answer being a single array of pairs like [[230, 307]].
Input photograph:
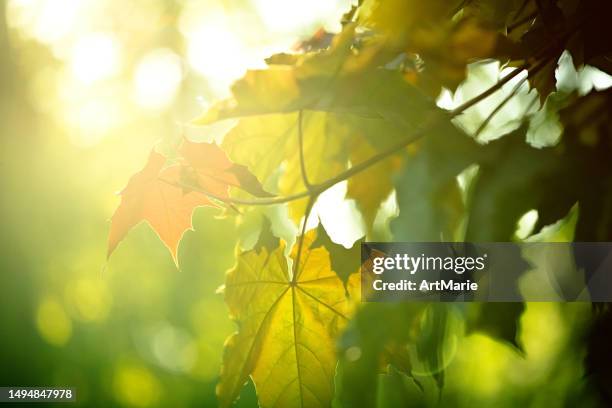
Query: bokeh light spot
[[217, 53], [136, 386], [89, 299], [48, 21], [52, 322], [95, 57]]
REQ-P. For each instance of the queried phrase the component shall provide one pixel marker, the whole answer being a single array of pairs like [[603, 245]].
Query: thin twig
[[543, 57], [522, 21], [514, 91], [358, 168], [458, 8], [231, 200], [301, 149], [316, 188], [498, 108], [520, 10], [490, 91]]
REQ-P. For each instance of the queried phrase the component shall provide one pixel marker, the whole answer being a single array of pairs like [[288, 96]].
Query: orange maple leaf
[[166, 207], [215, 172], [162, 196]]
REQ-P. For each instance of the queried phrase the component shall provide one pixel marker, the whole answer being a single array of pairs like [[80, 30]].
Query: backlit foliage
[[361, 106]]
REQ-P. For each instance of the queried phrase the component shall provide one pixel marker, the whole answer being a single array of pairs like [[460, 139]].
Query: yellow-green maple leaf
[[263, 143], [371, 187], [287, 327], [342, 101]]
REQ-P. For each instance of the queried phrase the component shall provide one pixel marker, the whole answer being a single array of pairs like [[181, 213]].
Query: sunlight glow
[[95, 57], [48, 21], [289, 15], [222, 44], [92, 120], [217, 53], [339, 216], [157, 79]]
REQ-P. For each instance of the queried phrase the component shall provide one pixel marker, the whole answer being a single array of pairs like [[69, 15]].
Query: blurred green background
[[88, 87]]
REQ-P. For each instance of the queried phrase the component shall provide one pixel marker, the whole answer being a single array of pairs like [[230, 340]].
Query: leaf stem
[[296, 264]]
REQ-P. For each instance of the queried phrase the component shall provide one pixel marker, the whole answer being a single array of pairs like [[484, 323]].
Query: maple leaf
[[162, 196], [428, 195], [370, 188], [166, 207], [397, 18], [446, 49], [339, 115], [287, 327], [444, 46], [344, 261], [216, 172], [264, 142]]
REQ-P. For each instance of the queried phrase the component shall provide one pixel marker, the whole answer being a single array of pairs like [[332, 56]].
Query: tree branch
[[490, 91], [507, 99], [522, 21], [317, 189], [498, 108]]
